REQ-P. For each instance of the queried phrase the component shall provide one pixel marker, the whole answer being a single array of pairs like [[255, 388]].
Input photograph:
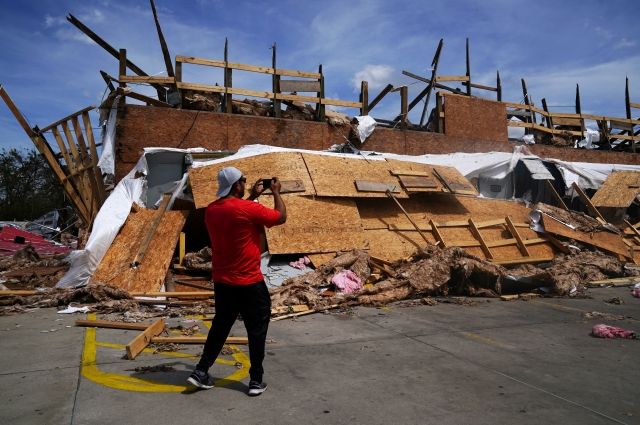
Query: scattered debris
[[600, 315], [614, 300]]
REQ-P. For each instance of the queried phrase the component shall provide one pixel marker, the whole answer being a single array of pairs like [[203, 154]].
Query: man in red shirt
[[234, 225]]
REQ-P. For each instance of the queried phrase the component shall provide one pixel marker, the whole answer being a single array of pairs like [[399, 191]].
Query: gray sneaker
[[256, 388], [201, 380]]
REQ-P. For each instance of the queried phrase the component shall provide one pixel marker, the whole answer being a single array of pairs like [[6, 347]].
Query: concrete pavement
[[486, 363]]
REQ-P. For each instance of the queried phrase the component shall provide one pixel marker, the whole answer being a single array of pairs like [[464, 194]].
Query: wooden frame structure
[[78, 172]]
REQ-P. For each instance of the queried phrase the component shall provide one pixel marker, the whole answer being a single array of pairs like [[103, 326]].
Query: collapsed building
[[448, 205]]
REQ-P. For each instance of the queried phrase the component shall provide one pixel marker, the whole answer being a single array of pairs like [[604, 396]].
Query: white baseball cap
[[226, 178]]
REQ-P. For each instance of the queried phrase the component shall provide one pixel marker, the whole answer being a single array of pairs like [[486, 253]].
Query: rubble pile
[[26, 269]]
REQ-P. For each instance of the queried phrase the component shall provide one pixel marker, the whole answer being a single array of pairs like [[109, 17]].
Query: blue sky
[[50, 69]]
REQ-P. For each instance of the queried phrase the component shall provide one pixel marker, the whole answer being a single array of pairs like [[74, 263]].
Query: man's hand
[[256, 190], [275, 185]]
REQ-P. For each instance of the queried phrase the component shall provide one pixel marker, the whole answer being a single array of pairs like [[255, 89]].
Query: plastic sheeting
[[106, 161], [366, 125]]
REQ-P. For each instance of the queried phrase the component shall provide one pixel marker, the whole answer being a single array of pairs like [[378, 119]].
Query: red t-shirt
[[234, 230]]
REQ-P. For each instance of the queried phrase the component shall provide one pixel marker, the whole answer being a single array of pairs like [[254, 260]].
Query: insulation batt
[[347, 281], [606, 331]]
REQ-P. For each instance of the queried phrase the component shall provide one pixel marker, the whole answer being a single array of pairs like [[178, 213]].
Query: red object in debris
[[13, 239]]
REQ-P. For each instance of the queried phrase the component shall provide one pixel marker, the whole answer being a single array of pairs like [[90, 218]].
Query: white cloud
[[71, 34], [53, 21], [377, 76], [624, 43]]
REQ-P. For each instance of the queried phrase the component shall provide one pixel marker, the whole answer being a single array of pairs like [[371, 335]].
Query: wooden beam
[[102, 194], [436, 85], [364, 98], [250, 68], [141, 341], [112, 325], [182, 294], [141, 97], [444, 78], [514, 232], [404, 106], [147, 79], [498, 87], [151, 230], [524, 260], [556, 195], [237, 340], [18, 293], [585, 199], [480, 86], [113, 52], [437, 234], [468, 62], [390, 195], [108, 79], [67, 118], [163, 43], [483, 245], [379, 97], [276, 86]]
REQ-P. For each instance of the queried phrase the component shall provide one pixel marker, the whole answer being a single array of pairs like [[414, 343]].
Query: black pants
[[254, 303]]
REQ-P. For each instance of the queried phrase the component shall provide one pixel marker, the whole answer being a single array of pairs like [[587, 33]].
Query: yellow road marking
[[91, 371], [485, 340]]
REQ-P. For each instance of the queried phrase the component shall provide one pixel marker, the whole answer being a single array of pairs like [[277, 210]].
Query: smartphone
[[266, 183]]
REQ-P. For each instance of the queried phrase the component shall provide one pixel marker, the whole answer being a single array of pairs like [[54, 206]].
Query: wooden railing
[[282, 90]]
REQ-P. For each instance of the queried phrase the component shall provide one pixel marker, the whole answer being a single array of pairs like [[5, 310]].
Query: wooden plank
[[67, 118], [404, 168], [569, 122], [371, 186], [137, 79], [246, 67], [115, 269], [141, 97], [556, 195], [102, 195], [443, 78], [237, 340], [315, 225], [141, 341], [335, 175], [585, 199], [287, 166], [437, 234], [619, 190], [606, 241], [299, 86], [380, 96], [109, 324], [81, 183], [413, 182], [18, 293], [480, 86], [476, 232], [523, 260], [514, 232], [618, 281], [454, 180], [181, 294], [634, 105], [95, 180], [390, 195], [338, 102]]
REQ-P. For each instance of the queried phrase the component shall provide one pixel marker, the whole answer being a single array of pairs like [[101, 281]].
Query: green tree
[[28, 186]]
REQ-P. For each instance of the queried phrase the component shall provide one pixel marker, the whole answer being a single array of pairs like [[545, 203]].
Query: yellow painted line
[[90, 370], [485, 340]]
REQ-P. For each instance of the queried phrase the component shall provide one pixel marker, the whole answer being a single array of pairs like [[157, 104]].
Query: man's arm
[[277, 200]]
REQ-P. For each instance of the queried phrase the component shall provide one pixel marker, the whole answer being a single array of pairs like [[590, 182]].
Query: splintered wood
[[619, 190], [336, 176], [284, 165], [115, 268], [315, 225], [417, 177]]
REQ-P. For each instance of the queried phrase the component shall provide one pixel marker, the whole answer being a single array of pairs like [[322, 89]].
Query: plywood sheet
[[619, 190], [316, 225], [604, 240], [320, 259], [413, 168], [284, 165], [114, 269], [392, 246], [336, 176], [455, 181]]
